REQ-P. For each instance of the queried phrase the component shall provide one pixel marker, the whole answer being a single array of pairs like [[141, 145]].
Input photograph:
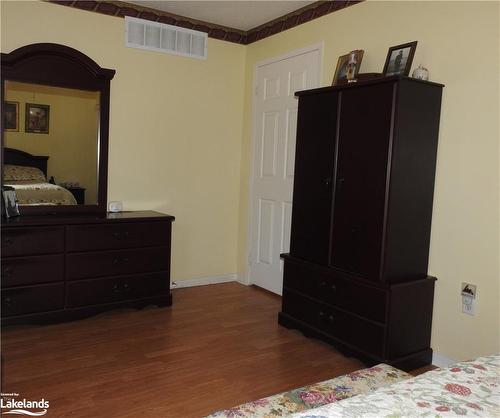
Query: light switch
[[468, 298]]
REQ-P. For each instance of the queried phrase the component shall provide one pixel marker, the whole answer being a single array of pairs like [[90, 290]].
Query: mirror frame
[[61, 66]]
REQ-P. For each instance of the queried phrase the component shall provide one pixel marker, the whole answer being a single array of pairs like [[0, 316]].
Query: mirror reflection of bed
[[27, 174], [67, 155]]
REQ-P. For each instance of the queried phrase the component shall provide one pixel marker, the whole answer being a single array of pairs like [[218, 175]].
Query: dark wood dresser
[[356, 274], [63, 267]]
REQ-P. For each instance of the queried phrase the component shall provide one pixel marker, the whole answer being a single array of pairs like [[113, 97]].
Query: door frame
[[315, 47]]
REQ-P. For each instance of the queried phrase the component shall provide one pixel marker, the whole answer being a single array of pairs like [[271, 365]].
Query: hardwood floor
[[216, 347]]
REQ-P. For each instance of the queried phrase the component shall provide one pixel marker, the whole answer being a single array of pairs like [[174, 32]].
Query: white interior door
[[275, 120]]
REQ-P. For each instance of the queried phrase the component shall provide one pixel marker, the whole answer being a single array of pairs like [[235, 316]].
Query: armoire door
[[314, 165], [360, 190]]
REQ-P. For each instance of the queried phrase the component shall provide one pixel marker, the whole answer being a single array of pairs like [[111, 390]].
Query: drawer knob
[[330, 318], [120, 235], [321, 314], [333, 288], [323, 283], [8, 271], [7, 301], [120, 260], [121, 289], [8, 240]]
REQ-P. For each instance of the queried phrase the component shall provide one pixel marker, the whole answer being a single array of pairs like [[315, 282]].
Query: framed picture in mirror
[[11, 121], [37, 118]]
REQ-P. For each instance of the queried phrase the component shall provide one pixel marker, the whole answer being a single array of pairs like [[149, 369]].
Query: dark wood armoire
[[356, 274]]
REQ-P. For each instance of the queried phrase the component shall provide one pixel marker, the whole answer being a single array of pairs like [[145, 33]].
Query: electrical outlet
[[469, 293]]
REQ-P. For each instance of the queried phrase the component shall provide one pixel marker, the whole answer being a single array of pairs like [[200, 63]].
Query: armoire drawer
[[348, 329], [32, 299], [21, 271], [114, 263], [366, 301], [114, 236], [115, 289], [29, 241]]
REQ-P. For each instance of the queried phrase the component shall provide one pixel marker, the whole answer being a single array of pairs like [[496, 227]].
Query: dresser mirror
[[55, 129]]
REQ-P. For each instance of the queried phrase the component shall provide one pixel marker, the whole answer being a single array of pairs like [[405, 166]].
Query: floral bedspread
[[35, 192], [470, 388], [318, 394]]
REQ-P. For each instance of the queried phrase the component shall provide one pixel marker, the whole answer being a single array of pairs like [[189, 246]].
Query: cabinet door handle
[[8, 271], [8, 301], [328, 182], [8, 240]]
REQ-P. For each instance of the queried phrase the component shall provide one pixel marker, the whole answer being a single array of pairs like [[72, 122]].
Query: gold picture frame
[[37, 118], [341, 69]]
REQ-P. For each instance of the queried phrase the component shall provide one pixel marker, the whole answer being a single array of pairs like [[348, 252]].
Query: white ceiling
[[242, 15]]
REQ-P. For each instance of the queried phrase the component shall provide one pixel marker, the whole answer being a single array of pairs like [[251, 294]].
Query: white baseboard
[[442, 361], [203, 281]]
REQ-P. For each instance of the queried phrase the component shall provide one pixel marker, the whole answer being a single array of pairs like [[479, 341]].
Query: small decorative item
[[116, 206], [351, 68], [11, 121], [399, 59], [10, 201], [420, 73], [37, 118], [349, 62]]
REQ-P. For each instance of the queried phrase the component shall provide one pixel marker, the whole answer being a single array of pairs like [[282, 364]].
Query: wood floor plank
[[216, 347]]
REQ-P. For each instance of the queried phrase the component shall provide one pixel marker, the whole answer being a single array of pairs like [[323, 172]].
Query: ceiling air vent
[[144, 34]]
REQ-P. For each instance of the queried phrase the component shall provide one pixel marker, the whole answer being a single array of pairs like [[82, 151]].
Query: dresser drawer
[[28, 241], [114, 263], [20, 271], [348, 329], [32, 299], [98, 291], [122, 235], [366, 301]]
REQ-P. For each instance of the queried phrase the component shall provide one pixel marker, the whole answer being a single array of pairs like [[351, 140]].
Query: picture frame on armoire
[[341, 70], [399, 59]]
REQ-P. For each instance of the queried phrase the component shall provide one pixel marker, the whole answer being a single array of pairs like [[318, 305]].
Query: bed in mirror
[[55, 129]]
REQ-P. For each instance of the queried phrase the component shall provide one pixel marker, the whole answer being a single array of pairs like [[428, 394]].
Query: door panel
[[273, 162], [311, 217], [361, 179]]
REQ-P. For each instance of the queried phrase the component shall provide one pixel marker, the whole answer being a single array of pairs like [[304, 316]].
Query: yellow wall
[[459, 43], [175, 128], [180, 135], [71, 143]]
